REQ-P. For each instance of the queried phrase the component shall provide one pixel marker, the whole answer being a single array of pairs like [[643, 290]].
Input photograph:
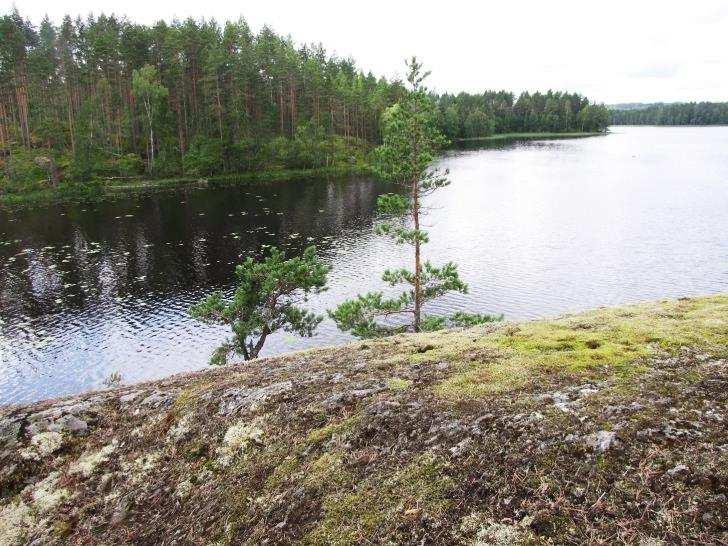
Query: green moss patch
[[611, 341]]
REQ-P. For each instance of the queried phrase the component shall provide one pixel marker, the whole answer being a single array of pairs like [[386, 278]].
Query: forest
[[686, 113], [494, 112], [103, 98]]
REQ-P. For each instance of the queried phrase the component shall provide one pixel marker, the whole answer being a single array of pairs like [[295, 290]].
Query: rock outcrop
[[604, 427]]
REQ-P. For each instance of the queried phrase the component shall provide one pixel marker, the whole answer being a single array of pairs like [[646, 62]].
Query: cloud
[[655, 70], [712, 15]]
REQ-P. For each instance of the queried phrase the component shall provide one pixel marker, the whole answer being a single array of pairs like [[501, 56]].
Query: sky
[[613, 52]]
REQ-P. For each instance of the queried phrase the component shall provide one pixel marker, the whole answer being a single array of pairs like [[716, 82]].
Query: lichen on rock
[[42, 445], [241, 435], [15, 520], [184, 489], [47, 495], [89, 462]]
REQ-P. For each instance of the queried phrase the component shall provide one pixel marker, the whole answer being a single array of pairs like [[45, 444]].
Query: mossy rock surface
[[607, 426]]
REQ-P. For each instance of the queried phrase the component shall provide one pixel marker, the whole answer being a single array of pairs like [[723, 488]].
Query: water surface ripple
[[538, 228]]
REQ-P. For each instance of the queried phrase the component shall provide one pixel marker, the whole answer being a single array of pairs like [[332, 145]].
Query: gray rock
[[672, 432], [105, 482], [120, 512], [61, 418], [714, 415], [235, 400], [42, 445], [481, 423], [559, 397], [335, 400], [361, 393], [561, 400], [76, 409], [461, 448], [159, 399], [578, 492], [601, 441], [184, 489], [129, 397], [678, 470], [49, 165], [38, 426], [62, 409], [586, 391], [69, 423]]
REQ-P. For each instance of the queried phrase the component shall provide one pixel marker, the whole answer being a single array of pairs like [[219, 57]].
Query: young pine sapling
[[266, 299], [411, 139]]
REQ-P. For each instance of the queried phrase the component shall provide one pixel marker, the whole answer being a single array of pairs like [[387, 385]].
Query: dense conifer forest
[[493, 112], [104, 98], [687, 113]]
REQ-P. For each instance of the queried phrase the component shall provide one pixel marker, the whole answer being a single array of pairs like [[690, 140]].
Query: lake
[[538, 228]]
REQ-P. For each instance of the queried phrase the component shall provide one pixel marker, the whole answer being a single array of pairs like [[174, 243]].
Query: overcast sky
[[615, 51]]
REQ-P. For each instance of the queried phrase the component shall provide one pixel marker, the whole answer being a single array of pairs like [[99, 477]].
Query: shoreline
[[667, 125], [101, 191], [54, 196], [529, 136]]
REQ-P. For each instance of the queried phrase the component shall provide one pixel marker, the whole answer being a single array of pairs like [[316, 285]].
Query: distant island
[[676, 113]]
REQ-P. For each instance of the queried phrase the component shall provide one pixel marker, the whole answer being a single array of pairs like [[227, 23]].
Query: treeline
[[688, 113], [112, 97], [472, 116], [105, 98]]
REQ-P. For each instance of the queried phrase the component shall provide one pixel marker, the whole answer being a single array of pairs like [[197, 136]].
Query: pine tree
[[147, 88], [411, 140], [266, 300]]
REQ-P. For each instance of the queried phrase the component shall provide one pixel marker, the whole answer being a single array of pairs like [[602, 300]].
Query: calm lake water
[[538, 228]]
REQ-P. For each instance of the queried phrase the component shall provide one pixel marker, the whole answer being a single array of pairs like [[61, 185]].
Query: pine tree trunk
[[180, 127], [294, 112], [416, 218], [280, 105], [3, 125], [21, 97], [331, 116], [148, 107], [219, 107]]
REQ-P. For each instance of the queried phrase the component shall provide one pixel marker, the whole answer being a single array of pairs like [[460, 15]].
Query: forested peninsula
[[103, 101], [679, 113]]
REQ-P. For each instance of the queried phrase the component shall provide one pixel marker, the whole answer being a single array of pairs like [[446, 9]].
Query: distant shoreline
[[668, 125], [529, 136]]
